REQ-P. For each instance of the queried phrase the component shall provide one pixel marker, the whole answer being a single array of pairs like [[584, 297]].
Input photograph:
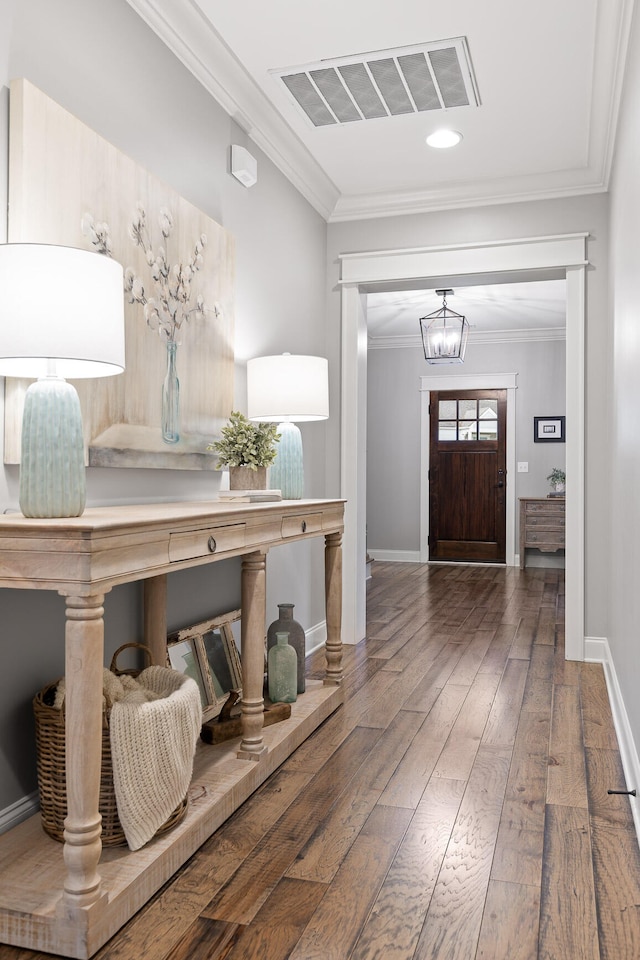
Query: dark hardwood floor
[[455, 807]]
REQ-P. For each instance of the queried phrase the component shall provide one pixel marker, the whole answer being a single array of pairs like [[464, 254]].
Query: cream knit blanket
[[154, 727], [153, 744]]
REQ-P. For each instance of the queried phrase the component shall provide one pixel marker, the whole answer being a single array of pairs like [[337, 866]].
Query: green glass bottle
[[286, 624], [282, 671]]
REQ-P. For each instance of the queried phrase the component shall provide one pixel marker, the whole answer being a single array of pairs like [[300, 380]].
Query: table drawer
[[203, 543], [294, 526]]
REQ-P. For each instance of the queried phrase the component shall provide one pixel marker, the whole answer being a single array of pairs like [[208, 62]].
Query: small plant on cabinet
[[557, 479]]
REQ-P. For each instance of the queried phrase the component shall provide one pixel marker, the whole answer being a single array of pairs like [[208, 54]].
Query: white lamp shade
[[288, 387], [60, 304]]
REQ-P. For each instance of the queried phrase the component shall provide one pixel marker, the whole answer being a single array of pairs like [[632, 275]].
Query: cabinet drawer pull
[[297, 526], [211, 543]]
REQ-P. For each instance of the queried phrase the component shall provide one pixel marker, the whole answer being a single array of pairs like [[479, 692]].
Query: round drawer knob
[[534, 537], [304, 526], [211, 543]]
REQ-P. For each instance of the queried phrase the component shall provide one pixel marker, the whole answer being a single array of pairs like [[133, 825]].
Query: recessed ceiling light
[[444, 138]]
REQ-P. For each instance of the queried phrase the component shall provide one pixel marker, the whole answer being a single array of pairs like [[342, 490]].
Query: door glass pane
[[488, 429], [468, 430], [447, 410], [447, 430], [468, 419]]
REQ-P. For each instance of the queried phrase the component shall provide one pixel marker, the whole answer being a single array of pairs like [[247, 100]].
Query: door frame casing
[[565, 252], [479, 381]]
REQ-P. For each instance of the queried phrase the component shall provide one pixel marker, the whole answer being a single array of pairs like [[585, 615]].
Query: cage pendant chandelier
[[444, 333]]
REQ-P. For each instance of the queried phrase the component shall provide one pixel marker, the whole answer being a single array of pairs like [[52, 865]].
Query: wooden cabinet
[[70, 899], [542, 525]]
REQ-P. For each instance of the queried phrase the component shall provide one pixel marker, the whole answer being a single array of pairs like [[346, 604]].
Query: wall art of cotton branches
[[177, 390], [167, 295]]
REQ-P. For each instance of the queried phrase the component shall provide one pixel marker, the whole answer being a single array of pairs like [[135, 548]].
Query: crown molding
[[181, 25], [608, 80], [476, 338], [186, 31], [463, 195]]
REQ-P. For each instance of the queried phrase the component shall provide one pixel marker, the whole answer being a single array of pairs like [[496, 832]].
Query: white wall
[[623, 456], [103, 64], [393, 428]]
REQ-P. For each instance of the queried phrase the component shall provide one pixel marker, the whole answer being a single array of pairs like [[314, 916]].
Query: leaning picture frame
[[208, 652], [183, 655], [549, 429]]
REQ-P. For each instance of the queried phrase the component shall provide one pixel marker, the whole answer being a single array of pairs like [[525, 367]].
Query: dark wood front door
[[467, 475]]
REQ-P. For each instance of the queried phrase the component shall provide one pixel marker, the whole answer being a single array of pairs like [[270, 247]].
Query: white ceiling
[[505, 312], [548, 75]]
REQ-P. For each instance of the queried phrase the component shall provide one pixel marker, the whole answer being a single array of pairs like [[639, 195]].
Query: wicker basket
[[50, 745]]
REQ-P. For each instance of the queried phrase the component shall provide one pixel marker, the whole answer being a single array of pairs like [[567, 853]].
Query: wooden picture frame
[[207, 651], [184, 656], [549, 429]]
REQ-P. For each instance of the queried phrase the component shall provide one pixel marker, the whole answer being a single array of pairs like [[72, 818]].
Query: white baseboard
[[395, 556], [21, 810], [315, 637], [597, 650], [413, 556]]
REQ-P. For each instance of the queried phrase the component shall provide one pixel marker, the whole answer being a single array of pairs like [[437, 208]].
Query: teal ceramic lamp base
[[287, 472], [52, 472]]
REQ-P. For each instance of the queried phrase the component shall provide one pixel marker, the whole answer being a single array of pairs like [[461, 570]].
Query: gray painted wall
[[102, 63], [622, 451], [393, 428]]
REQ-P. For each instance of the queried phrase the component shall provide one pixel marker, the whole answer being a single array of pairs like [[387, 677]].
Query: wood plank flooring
[[455, 807]]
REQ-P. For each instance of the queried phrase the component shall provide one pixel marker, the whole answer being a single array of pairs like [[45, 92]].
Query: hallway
[[455, 807]]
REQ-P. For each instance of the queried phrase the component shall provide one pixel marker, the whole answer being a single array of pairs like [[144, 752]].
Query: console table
[[69, 899], [542, 525]]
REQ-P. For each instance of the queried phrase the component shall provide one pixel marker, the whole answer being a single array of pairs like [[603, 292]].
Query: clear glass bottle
[[282, 671], [171, 397]]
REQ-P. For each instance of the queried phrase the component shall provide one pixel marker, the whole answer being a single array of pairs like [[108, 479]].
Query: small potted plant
[[247, 449], [557, 479]]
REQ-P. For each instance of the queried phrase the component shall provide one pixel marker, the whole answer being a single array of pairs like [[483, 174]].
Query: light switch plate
[[523, 467]]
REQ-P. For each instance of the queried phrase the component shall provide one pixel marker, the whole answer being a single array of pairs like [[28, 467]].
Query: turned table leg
[[84, 642], [333, 606], [252, 642], [155, 618]]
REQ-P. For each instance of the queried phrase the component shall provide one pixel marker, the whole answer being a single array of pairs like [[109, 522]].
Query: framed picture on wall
[[549, 429], [106, 202]]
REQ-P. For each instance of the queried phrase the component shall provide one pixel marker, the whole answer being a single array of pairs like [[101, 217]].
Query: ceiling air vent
[[387, 83]]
